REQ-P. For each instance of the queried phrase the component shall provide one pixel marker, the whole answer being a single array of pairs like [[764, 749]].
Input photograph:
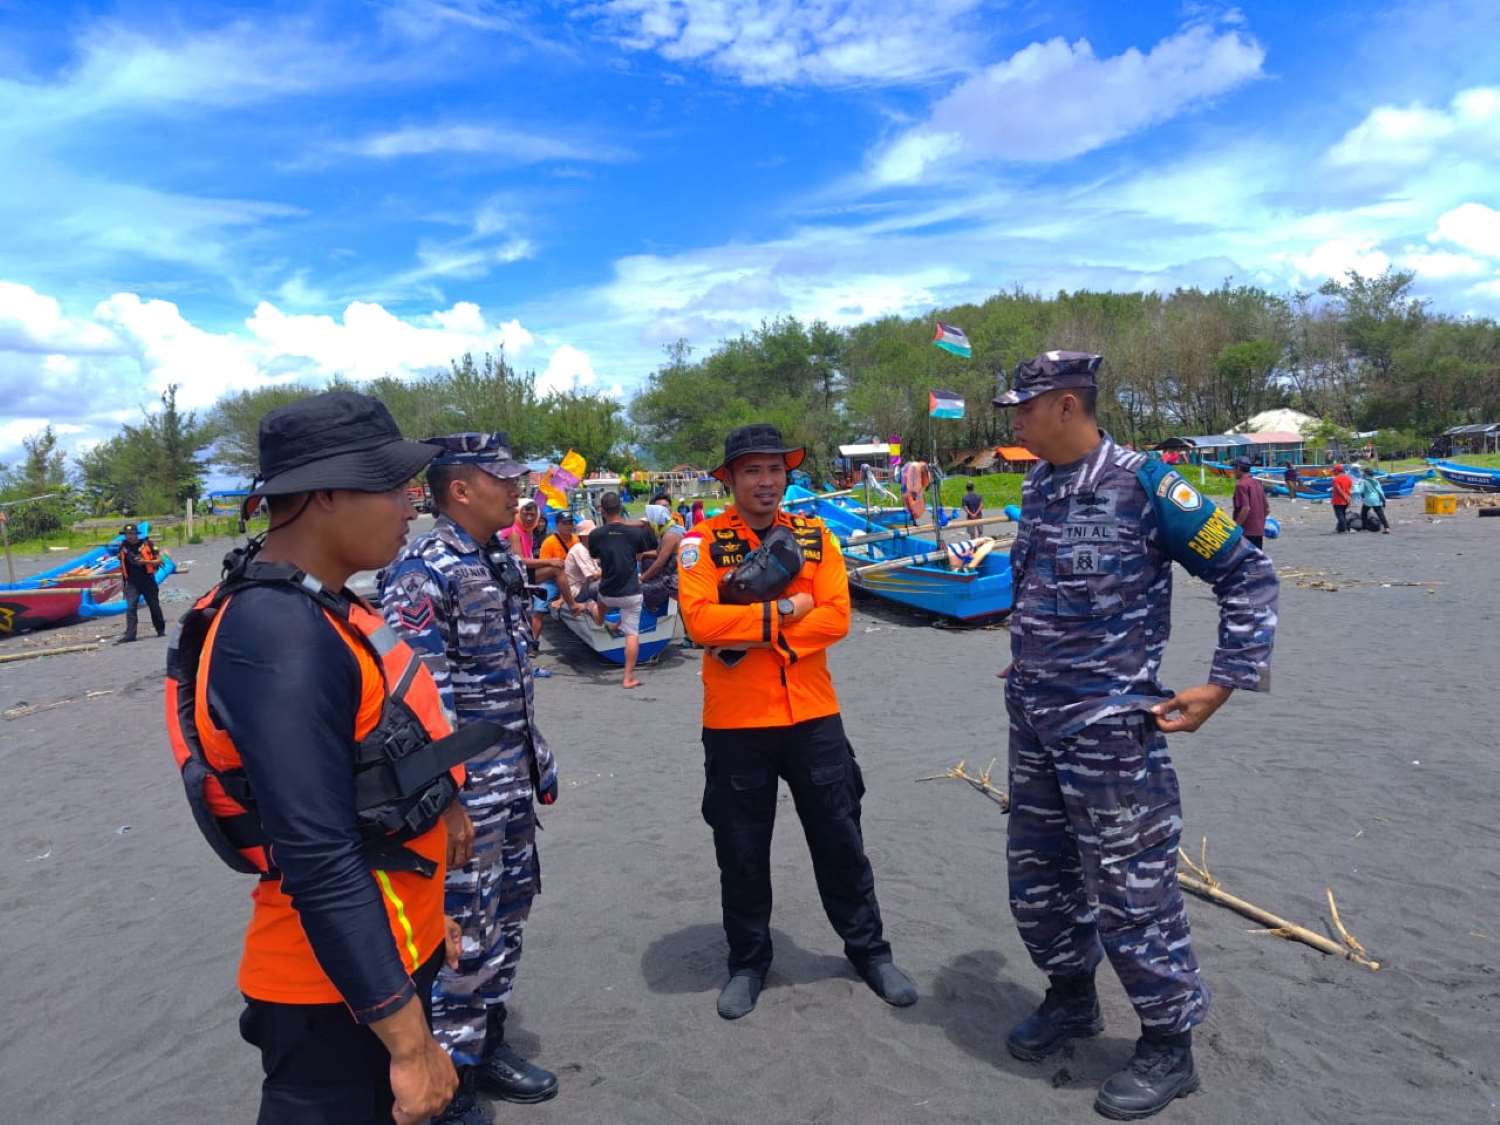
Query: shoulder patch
[[687, 554], [1185, 496]]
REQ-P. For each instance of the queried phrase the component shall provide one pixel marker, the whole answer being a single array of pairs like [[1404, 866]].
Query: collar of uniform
[[737, 521], [1086, 479], [446, 531]]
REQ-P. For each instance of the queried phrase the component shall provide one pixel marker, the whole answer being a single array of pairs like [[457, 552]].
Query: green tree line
[[1363, 353], [155, 466]]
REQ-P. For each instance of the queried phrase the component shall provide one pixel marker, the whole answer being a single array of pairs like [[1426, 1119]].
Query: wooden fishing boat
[[1472, 477], [913, 570], [656, 632], [21, 611]]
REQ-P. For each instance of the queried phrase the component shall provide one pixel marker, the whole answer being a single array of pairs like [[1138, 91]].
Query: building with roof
[[1482, 437]]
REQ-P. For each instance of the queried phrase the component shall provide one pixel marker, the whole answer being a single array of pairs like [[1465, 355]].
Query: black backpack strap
[[414, 765]]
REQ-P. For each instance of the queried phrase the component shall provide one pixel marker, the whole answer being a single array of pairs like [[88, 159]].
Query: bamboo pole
[[906, 532], [12, 656]]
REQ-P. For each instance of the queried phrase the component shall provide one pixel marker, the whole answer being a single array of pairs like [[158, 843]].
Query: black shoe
[[1070, 1010], [737, 997], [465, 1108], [125, 640], [506, 1075], [890, 984], [1160, 1071]]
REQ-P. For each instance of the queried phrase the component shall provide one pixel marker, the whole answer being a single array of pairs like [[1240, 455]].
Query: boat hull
[[22, 611], [937, 590], [1470, 477], [656, 633]]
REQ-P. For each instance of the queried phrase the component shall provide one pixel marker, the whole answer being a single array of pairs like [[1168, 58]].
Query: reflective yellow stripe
[[411, 942]]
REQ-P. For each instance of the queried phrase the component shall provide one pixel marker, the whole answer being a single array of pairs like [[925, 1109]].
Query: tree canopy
[[1363, 353]]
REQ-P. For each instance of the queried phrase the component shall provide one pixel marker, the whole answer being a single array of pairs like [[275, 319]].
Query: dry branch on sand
[[1200, 881]]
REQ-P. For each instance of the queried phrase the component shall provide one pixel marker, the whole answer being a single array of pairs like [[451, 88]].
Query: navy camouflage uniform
[[468, 618], [1095, 811]]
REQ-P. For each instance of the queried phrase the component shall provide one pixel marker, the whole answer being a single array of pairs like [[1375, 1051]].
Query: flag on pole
[[952, 339], [944, 404]]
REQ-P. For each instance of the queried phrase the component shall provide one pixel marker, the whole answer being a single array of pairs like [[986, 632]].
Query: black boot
[[737, 998], [465, 1108], [890, 984], [1070, 1010], [506, 1075], [1160, 1071]]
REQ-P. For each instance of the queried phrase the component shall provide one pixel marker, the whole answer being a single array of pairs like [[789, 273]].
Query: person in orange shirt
[[770, 712], [284, 693]]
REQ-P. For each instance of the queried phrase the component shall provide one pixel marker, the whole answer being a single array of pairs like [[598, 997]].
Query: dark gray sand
[[1371, 768]]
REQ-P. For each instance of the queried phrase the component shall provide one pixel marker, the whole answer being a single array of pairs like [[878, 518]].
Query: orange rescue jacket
[[278, 963], [787, 682]]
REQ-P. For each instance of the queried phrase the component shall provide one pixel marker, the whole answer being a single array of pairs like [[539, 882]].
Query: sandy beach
[[1373, 768]]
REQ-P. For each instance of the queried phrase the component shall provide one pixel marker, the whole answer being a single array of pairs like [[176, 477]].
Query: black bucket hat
[[758, 437], [338, 440]]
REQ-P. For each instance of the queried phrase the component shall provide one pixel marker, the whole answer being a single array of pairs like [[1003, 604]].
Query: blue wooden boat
[[929, 584], [656, 632], [1472, 477]]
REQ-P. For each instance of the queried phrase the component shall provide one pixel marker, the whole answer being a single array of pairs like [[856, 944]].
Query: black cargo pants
[[742, 769], [137, 590]]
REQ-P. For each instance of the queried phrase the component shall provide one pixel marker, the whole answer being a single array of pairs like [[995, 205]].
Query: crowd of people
[[378, 764]]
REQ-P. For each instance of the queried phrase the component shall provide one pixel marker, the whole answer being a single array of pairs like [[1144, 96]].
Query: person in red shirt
[[1343, 488], [1250, 508], [770, 712]]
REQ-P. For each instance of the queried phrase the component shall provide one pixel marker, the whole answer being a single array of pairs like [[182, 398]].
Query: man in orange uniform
[[769, 712], [292, 691]]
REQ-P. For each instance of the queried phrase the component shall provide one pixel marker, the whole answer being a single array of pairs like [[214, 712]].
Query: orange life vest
[[148, 556], [407, 770]]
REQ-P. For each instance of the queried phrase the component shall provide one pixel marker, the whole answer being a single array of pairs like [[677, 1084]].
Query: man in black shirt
[[618, 546]]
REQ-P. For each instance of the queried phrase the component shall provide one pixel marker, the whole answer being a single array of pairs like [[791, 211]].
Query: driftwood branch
[[1201, 882], [36, 652], [980, 784], [1196, 878]]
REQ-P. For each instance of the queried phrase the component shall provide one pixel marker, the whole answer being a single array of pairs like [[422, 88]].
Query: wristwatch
[[785, 607]]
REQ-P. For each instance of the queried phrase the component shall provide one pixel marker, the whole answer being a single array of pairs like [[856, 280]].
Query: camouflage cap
[[490, 452], [1050, 371]]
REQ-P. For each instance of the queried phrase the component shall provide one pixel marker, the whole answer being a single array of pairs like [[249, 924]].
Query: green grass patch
[[70, 541]]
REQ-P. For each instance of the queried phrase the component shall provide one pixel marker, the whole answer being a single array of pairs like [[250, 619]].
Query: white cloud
[[814, 42], [1406, 136], [1338, 256], [569, 369], [33, 322], [1053, 100], [1440, 265], [512, 145], [1472, 226], [120, 69], [88, 373]]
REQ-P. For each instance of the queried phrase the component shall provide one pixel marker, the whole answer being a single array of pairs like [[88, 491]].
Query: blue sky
[[222, 196]]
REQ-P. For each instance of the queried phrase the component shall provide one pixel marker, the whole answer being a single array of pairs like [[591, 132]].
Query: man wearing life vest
[[139, 560], [315, 752], [458, 595], [770, 712]]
